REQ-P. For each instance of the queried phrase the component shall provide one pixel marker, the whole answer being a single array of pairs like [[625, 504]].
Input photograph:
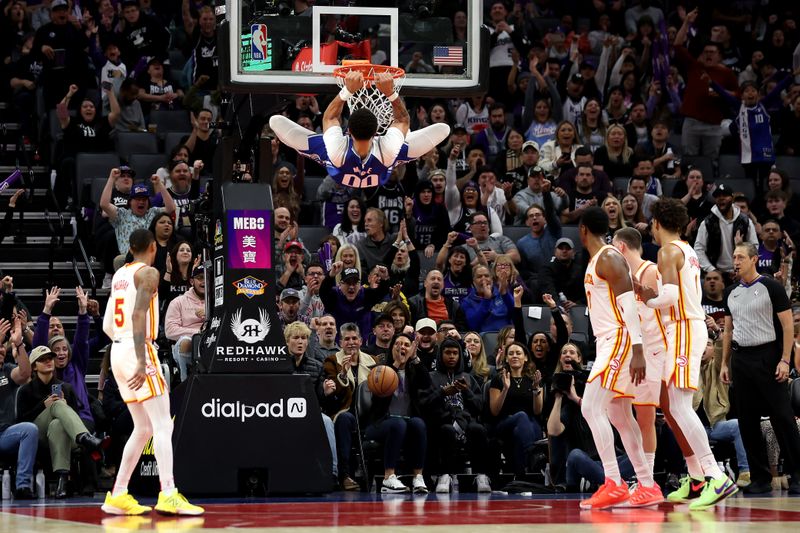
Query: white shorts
[[612, 362], [686, 343], [649, 391], [123, 365]]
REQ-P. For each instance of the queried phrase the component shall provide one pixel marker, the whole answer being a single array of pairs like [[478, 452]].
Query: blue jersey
[[755, 135], [354, 172]]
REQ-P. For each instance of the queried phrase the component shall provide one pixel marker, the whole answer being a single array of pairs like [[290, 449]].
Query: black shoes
[[757, 487], [24, 493], [90, 442], [61, 488], [794, 486]]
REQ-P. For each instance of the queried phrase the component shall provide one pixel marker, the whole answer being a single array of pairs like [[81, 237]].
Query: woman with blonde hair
[[559, 153], [348, 254], [481, 370], [505, 274], [616, 220], [615, 156]]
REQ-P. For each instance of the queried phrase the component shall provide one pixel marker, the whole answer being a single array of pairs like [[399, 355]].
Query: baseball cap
[[293, 244], [125, 169], [140, 191], [587, 63], [530, 144], [383, 317], [722, 189], [565, 240], [349, 273], [576, 78], [40, 352], [199, 270], [289, 293], [459, 127], [55, 5], [535, 171], [423, 323]]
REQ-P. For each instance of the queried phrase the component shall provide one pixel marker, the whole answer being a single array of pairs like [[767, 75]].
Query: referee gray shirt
[[754, 309]]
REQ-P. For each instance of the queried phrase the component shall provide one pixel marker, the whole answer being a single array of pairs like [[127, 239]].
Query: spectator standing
[[142, 36], [540, 244], [203, 37], [563, 275], [757, 355], [540, 191], [323, 343], [202, 143], [493, 138]]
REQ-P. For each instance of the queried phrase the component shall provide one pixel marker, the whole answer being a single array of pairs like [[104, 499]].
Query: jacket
[[342, 398], [418, 384], [181, 319], [711, 391], [712, 251], [488, 314], [31, 397], [419, 309], [462, 407]]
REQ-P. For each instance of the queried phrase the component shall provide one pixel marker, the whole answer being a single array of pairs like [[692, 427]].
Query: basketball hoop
[[369, 97]]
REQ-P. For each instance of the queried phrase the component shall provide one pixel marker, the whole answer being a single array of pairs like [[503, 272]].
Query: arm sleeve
[[452, 199], [700, 248], [725, 297], [389, 145], [108, 317], [780, 302], [41, 333], [335, 145]]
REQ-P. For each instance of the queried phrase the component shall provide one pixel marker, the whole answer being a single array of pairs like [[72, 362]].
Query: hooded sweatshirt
[[432, 223], [713, 256], [462, 407]]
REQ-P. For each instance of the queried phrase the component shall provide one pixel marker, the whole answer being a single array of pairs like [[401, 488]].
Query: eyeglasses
[[480, 223], [315, 274], [771, 230]]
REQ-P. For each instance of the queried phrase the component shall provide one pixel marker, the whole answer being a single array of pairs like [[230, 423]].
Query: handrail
[[78, 243], [56, 237]]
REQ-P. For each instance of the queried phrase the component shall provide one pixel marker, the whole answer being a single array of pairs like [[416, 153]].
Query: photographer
[[572, 452]]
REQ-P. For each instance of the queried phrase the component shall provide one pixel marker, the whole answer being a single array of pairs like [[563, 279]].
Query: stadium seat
[[97, 189], [173, 138], [426, 264], [571, 232], [310, 186], [742, 185], [312, 236], [515, 233], [129, 143], [667, 186], [536, 325], [168, 121], [92, 166], [145, 165], [702, 163], [580, 323], [176, 59], [489, 339], [621, 185], [730, 165], [789, 164]]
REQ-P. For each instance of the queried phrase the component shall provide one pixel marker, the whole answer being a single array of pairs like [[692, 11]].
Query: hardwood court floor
[[465, 513]]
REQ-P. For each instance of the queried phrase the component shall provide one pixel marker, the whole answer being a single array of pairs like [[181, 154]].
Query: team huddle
[[651, 335]]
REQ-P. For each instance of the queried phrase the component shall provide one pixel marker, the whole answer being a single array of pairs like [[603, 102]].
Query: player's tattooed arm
[[146, 285]]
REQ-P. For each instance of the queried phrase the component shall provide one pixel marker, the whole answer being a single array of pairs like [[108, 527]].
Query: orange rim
[[368, 69]]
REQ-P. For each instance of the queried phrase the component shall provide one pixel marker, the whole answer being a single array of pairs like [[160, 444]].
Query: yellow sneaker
[[124, 504], [177, 504]]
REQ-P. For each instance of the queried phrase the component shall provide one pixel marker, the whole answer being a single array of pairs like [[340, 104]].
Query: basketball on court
[[382, 381]]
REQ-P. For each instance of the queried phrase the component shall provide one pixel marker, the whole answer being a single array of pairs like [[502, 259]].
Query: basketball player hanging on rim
[[679, 301], [618, 367], [361, 159], [131, 322]]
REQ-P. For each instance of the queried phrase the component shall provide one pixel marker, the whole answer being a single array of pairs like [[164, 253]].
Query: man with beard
[[325, 339], [493, 138], [285, 229], [184, 318], [426, 343], [490, 246], [713, 302], [537, 192], [775, 253], [583, 156], [289, 307], [438, 182], [540, 244], [582, 197], [383, 330], [720, 231], [564, 275], [432, 303], [350, 301], [516, 179]]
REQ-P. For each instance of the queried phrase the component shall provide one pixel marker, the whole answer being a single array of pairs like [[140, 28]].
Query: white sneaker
[[419, 485], [107, 281], [482, 480], [443, 485], [392, 485]]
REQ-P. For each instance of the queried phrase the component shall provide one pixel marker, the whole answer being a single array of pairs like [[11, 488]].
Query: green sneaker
[[690, 489], [714, 492]]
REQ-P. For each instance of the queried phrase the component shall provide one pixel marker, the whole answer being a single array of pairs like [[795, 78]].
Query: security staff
[[758, 329]]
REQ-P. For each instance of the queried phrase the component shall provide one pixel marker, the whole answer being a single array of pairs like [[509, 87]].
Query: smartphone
[[55, 390], [106, 85]]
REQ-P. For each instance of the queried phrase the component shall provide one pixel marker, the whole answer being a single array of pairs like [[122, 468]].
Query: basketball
[[382, 381]]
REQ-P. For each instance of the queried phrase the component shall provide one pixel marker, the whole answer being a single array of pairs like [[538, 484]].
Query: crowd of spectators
[[433, 272]]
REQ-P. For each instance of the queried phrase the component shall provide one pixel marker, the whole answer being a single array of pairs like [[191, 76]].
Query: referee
[[756, 309]]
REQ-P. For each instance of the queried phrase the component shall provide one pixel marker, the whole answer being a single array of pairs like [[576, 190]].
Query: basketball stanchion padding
[[369, 96], [383, 381]]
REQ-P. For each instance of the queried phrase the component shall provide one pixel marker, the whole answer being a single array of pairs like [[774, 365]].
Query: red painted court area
[[406, 511]]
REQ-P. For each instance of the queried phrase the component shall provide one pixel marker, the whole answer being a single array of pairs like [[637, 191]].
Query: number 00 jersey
[[121, 302]]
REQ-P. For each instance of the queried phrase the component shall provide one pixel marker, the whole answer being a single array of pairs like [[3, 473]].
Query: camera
[[562, 381], [347, 37], [423, 8]]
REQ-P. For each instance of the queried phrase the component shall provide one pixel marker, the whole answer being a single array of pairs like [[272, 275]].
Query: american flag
[[448, 55]]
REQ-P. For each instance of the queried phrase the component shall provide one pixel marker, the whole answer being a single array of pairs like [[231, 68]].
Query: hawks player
[[361, 159], [679, 301], [618, 366], [629, 242], [131, 322]]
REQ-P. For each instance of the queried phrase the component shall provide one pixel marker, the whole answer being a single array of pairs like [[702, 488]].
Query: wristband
[[344, 94], [23, 344], [784, 361], [392, 97]]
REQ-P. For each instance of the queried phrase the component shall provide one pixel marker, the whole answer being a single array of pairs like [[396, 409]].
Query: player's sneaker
[[123, 504], [689, 490], [177, 504], [714, 492], [608, 495], [646, 496]]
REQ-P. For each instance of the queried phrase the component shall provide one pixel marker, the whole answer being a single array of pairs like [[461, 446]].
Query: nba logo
[[258, 43]]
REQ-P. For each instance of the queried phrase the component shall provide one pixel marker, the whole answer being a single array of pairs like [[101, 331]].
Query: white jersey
[[121, 301], [690, 294], [604, 313], [653, 330]]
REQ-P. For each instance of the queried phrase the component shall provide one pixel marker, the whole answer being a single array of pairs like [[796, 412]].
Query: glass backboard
[[273, 48]]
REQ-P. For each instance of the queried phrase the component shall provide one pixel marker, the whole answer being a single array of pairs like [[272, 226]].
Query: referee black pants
[[757, 393]]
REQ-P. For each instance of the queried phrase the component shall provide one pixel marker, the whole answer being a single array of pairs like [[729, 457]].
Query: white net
[[370, 97]]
